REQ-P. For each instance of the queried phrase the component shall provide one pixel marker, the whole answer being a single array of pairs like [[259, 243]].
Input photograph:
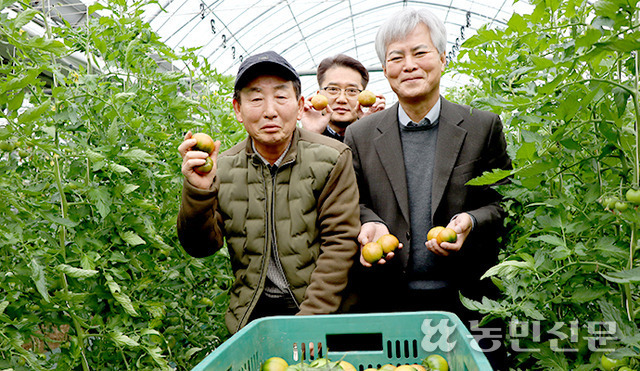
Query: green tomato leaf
[[37, 275], [508, 269], [120, 297], [33, 113], [76, 272], [122, 339], [488, 178], [625, 276], [59, 220], [119, 168], [588, 294], [620, 97], [132, 238], [24, 17], [137, 154]]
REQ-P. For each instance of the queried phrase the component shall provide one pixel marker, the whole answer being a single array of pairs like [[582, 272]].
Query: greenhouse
[[292, 185]]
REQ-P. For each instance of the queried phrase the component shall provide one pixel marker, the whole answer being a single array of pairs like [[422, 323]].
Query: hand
[[370, 232], [462, 226], [192, 158], [379, 105], [314, 120]]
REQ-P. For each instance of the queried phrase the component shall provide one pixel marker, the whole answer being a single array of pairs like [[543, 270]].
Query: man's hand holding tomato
[[314, 120], [371, 232], [193, 158], [461, 224]]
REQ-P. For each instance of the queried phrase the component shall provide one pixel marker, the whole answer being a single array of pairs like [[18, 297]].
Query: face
[[343, 105], [414, 67], [269, 110]]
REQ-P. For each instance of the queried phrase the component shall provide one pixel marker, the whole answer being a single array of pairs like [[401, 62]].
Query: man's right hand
[[192, 158], [370, 232], [314, 120]]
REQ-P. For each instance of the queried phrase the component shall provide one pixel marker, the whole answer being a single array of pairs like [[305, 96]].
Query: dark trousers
[[268, 306]]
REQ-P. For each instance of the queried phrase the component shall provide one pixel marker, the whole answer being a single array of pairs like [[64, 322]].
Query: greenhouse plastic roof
[[306, 31], [303, 31]]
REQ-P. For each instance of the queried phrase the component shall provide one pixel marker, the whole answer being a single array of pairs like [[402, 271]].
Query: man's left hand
[[461, 224]]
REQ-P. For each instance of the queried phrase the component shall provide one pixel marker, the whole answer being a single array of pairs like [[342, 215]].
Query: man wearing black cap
[[284, 200]]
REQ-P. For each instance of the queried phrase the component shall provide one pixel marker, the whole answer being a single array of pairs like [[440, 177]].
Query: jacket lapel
[[387, 142], [448, 146]]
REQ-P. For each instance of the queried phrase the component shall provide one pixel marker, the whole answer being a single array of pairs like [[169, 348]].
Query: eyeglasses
[[335, 91]]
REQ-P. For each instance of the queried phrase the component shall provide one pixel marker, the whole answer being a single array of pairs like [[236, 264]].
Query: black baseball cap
[[266, 63]]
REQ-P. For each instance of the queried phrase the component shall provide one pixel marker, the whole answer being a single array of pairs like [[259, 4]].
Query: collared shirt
[[278, 161], [433, 115]]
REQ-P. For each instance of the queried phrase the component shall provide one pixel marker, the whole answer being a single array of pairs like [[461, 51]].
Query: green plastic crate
[[364, 340]]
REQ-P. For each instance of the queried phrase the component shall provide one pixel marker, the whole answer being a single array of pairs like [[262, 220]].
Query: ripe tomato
[[433, 232], [447, 235]]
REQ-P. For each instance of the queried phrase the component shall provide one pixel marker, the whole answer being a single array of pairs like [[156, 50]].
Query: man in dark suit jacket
[[412, 162]]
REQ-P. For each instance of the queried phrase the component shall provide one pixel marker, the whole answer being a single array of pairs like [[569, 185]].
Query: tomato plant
[[567, 89], [92, 273]]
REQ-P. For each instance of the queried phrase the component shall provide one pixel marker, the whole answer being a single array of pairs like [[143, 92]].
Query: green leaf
[[6, 3], [128, 188], [94, 156], [120, 297], [24, 17], [59, 220], [137, 154], [122, 339], [156, 355], [541, 63], [48, 45], [34, 113], [625, 276], [37, 275], [76, 272], [132, 238], [550, 239], [508, 269], [3, 305], [102, 201], [590, 37], [95, 7], [191, 352], [119, 168], [620, 97], [526, 151], [531, 311], [488, 178], [588, 294]]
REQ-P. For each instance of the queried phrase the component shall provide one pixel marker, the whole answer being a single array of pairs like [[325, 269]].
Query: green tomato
[[206, 301], [609, 202], [435, 362], [625, 368], [633, 196], [7, 145], [610, 364], [621, 206]]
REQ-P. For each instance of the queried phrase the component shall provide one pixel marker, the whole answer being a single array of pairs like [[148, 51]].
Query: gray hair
[[402, 23]]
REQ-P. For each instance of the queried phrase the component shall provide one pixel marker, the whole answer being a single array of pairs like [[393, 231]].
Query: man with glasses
[[340, 79]]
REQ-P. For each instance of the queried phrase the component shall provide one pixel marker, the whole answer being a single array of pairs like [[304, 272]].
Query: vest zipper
[[263, 270], [273, 234], [266, 249]]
